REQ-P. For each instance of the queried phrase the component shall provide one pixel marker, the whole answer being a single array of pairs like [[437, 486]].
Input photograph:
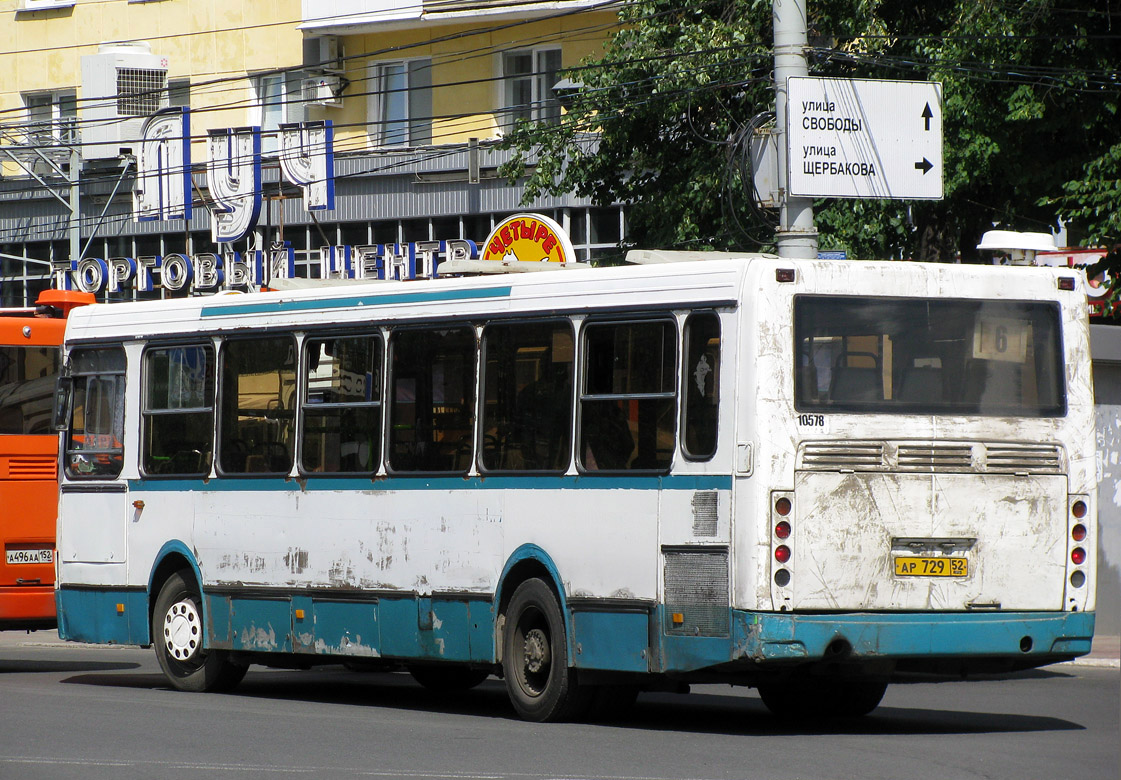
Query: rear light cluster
[[780, 539], [1079, 533]]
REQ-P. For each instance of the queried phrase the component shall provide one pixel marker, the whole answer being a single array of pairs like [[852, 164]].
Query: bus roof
[[658, 284]]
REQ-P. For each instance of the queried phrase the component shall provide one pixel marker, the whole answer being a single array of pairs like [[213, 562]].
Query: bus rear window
[[916, 356], [27, 380]]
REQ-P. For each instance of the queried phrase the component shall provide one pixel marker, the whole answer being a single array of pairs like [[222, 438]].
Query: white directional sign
[[856, 138]]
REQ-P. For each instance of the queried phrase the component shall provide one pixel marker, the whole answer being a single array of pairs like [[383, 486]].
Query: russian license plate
[[931, 566], [30, 556]]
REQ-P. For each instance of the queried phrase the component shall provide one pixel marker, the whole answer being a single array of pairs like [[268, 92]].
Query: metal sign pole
[[796, 236]]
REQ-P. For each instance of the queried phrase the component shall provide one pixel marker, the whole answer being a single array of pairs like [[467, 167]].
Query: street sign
[[857, 138]]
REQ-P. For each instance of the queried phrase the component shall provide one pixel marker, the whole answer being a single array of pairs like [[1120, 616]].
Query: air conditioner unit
[[122, 85], [323, 53], [323, 89]]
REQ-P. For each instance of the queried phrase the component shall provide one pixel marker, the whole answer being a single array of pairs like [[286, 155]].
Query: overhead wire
[[978, 70]]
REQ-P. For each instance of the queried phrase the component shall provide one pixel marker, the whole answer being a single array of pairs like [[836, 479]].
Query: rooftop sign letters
[[208, 272], [529, 238], [163, 181], [856, 138]]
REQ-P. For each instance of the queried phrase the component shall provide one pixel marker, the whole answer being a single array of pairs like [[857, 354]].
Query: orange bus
[[30, 341]]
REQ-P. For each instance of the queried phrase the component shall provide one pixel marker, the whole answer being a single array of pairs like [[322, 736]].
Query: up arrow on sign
[[845, 138]]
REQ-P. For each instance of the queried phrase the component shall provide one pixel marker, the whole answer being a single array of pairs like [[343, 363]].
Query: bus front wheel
[[177, 634], [541, 684]]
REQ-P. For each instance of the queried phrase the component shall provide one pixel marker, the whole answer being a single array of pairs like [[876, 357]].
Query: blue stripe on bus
[[103, 616], [794, 637], [461, 629], [388, 484], [383, 299]]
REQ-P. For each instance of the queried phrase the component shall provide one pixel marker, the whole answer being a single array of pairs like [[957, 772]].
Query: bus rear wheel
[[823, 698], [539, 681], [177, 633]]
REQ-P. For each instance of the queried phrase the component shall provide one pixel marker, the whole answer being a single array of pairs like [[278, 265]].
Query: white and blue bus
[[803, 476]]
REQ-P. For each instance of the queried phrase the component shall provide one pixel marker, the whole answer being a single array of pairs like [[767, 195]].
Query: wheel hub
[[182, 630], [537, 654]]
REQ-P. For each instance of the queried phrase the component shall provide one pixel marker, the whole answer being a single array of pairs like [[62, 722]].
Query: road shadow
[[62, 667], [699, 712]]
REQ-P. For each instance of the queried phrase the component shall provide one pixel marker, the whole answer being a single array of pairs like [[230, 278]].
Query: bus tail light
[[782, 530], [1078, 533], [1078, 556], [1078, 509]]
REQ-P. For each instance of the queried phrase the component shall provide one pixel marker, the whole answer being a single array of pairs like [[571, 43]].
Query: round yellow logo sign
[[529, 238]]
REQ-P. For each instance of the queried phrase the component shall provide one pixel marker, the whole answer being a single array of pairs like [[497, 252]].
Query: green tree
[[1030, 92]]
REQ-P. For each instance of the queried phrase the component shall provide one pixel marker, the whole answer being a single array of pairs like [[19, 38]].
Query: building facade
[[418, 95]]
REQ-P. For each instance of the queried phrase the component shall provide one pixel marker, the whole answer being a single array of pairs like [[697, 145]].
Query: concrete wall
[[1106, 349]]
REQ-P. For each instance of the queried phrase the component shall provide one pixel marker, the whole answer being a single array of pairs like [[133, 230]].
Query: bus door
[[696, 519], [93, 502]]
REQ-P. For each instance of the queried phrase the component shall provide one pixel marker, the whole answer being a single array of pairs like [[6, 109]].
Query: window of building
[[528, 77], [702, 385], [52, 118], [627, 397], [527, 396], [400, 103], [179, 93], [432, 399], [178, 410], [40, 5], [280, 99], [257, 421], [342, 405]]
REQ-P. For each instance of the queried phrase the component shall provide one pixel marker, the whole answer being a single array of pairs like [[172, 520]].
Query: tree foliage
[[1030, 102]]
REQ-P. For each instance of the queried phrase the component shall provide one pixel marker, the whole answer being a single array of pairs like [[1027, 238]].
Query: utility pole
[[796, 236]]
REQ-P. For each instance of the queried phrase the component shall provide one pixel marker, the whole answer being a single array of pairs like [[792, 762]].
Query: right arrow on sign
[[924, 166]]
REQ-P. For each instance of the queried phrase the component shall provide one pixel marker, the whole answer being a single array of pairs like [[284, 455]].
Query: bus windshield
[[27, 380], [910, 356]]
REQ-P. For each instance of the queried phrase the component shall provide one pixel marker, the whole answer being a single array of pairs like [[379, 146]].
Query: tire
[[177, 634], [539, 681], [449, 677], [823, 698]]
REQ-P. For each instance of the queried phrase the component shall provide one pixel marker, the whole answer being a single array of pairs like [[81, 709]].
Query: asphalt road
[[74, 711]]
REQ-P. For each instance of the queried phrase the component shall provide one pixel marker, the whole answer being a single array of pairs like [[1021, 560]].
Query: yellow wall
[[216, 42], [466, 65], [205, 40]]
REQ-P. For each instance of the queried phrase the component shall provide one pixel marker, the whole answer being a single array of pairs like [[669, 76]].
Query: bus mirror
[[64, 391]]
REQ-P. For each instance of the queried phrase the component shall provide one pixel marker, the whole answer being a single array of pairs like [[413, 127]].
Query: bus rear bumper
[[1026, 638], [27, 607]]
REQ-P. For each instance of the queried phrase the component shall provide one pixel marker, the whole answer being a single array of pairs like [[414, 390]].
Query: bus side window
[[432, 399], [701, 378], [95, 439], [257, 425], [527, 398], [341, 429], [628, 398], [178, 410]]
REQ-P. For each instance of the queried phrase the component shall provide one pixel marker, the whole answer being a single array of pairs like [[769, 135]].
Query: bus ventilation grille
[[33, 468], [933, 458], [696, 588], [704, 513]]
